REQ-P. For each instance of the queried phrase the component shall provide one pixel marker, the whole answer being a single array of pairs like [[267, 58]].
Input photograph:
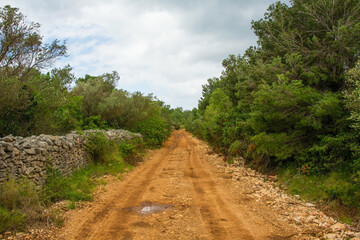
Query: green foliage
[[207, 90], [77, 187], [293, 100], [308, 187], [11, 220], [154, 130], [196, 126], [93, 92], [352, 94], [69, 116], [99, 146], [22, 49], [325, 33], [14, 99], [237, 148], [35, 103], [93, 122], [22, 53], [287, 117], [71, 205], [132, 150], [18, 195], [177, 117], [215, 116], [20, 204], [336, 186], [109, 157]]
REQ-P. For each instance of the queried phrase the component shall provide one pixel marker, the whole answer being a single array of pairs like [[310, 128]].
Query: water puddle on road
[[147, 208]]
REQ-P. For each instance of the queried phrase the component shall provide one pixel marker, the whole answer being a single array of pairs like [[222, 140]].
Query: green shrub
[[99, 147], [22, 203], [132, 150], [339, 189], [11, 220], [339, 186], [237, 148], [19, 204], [155, 131], [21, 194], [309, 187], [93, 122], [81, 183], [103, 151], [108, 158], [76, 187]]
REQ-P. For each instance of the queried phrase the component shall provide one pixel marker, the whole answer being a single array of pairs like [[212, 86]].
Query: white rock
[[330, 236], [338, 227], [310, 219]]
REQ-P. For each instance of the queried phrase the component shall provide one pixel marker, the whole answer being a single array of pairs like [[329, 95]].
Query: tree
[[93, 91], [207, 90], [216, 116], [22, 48], [352, 95], [288, 117], [22, 55], [63, 76], [325, 33]]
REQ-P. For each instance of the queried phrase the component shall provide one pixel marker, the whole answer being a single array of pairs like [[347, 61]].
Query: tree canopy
[[56, 102], [292, 100]]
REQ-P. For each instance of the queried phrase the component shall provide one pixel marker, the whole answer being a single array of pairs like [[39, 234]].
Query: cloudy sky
[[166, 47]]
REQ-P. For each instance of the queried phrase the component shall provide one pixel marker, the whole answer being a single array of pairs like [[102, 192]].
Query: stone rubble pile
[[263, 189], [31, 156]]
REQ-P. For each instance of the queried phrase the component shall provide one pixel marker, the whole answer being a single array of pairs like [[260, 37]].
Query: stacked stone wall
[[30, 157]]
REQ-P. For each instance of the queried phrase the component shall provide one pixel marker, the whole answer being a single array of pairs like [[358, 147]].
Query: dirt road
[[176, 194]]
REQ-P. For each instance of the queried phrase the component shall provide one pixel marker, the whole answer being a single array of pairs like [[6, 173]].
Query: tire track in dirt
[[204, 204], [135, 197], [214, 210], [90, 229]]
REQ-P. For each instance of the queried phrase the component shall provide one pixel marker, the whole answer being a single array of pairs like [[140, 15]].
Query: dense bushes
[[103, 150], [56, 102], [154, 130], [293, 101], [91, 104]]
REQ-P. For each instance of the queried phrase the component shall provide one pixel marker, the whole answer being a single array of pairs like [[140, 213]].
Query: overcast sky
[[166, 47]]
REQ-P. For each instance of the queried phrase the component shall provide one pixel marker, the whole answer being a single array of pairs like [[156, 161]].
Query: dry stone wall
[[31, 156]]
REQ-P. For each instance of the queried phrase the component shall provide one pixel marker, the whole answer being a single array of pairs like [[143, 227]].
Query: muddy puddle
[[147, 208]]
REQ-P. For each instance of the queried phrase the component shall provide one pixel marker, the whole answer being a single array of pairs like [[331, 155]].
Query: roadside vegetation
[[34, 102], [290, 105], [23, 204]]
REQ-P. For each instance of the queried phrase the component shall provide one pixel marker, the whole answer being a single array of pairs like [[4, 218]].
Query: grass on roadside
[[333, 192], [22, 203], [81, 183], [11, 219], [19, 203]]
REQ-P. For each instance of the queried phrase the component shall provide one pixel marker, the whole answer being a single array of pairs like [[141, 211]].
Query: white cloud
[[169, 48]]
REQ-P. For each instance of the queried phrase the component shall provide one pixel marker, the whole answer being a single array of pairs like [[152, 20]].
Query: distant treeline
[[57, 102], [294, 100]]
